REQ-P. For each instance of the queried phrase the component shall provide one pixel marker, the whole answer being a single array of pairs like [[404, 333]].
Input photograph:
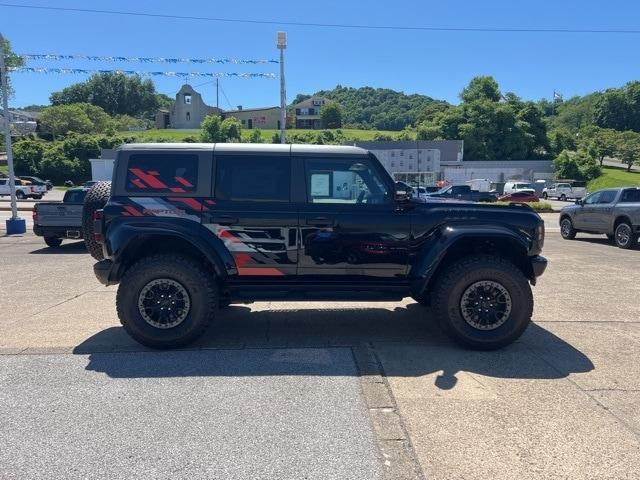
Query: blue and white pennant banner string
[[82, 71], [99, 58]]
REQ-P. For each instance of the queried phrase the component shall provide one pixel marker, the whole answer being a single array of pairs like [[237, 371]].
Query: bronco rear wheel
[[166, 301], [483, 302]]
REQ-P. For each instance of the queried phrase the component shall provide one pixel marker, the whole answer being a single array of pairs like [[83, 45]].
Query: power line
[[225, 96], [333, 25]]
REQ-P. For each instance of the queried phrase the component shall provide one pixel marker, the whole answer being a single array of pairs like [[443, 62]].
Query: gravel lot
[[277, 390]]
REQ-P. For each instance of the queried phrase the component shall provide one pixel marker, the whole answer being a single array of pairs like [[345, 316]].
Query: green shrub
[[27, 155]]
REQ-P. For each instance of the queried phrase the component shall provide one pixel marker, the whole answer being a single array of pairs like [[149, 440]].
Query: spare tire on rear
[[95, 200]]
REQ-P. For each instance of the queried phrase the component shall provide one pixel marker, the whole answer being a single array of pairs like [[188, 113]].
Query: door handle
[[320, 222], [225, 220]]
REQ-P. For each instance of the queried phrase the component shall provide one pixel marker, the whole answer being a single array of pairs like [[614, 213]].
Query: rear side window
[[162, 173], [253, 178], [631, 196]]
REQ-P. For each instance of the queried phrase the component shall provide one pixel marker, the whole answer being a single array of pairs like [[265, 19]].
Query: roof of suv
[[248, 147]]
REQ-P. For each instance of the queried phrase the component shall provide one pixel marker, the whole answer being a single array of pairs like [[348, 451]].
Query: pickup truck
[[22, 190], [564, 191], [57, 220], [463, 192], [188, 229], [614, 212]]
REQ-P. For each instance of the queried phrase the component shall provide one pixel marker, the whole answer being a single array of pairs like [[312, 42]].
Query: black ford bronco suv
[[189, 228]]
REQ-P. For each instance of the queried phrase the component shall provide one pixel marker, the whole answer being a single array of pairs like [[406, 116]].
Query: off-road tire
[[450, 287], [631, 236], [95, 200], [37, 197], [20, 195], [566, 229], [199, 284], [563, 198], [53, 242], [545, 195]]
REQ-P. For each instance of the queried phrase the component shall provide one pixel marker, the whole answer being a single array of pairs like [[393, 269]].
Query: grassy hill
[[614, 177]]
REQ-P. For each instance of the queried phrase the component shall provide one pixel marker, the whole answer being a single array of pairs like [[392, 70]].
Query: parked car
[[464, 192], [521, 196], [511, 187], [22, 191], [564, 191], [37, 181], [614, 212], [58, 220], [38, 187], [187, 229]]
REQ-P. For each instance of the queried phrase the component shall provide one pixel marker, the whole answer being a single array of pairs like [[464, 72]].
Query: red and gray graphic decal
[[152, 180], [257, 252], [180, 207]]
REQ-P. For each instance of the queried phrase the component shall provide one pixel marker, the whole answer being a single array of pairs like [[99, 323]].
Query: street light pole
[[14, 224], [282, 44]]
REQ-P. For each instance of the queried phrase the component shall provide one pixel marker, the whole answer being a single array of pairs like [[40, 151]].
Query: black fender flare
[[125, 235], [443, 238]]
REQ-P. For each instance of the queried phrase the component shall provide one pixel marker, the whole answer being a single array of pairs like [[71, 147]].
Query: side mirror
[[403, 194]]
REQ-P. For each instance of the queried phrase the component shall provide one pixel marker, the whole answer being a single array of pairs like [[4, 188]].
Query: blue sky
[[438, 64]]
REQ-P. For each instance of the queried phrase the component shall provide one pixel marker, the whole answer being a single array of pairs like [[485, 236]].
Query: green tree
[[59, 120], [210, 130], [576, 166], [561, 139], [114, 92], [481, 88], [12, 61], [429, 131], [81, 148], [57, 167], [628, 148], [231, 130], [331, 115], [27, 155], [601, 142]]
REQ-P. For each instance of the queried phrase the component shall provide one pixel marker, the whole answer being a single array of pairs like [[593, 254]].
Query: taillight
[[97, 218], [541, 234], [34, 214]]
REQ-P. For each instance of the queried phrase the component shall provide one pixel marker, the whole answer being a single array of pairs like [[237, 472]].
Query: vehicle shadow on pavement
[[405, 340], [65, 248]]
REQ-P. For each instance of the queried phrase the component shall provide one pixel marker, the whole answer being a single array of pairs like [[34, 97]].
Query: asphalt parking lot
[[317, 390]]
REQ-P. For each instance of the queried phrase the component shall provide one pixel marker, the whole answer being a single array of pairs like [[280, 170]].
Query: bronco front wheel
[[166, 301], [483, 302]]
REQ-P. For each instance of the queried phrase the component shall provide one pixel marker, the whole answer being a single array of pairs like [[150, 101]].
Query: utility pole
[[282, 45], [217, 102], [15, 224]]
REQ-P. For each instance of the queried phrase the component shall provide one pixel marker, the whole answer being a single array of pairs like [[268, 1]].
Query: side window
[[631, 196], [170, 173], [593, 198], [344, 180], [253, 178], [607, 196]]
